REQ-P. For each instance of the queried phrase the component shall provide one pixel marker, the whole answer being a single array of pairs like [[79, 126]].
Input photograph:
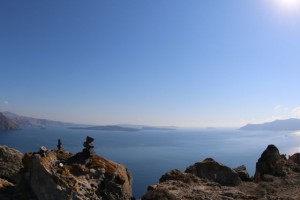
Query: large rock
[[214, 171], [295, 158], [176, 174], [177, 185], [10, 164], [60, 175], [242, 172], [270, 163]]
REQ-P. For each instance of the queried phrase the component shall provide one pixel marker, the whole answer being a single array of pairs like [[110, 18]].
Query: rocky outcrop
[[10, 164], [214, 171], [281, 179], [58, 174], [7, 124], [177, 185], [295, 158], [270, 163], [242, 172]]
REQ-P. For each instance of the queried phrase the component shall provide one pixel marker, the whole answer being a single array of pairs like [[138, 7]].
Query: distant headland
[[277, 125], [7, 124], [11, 121]]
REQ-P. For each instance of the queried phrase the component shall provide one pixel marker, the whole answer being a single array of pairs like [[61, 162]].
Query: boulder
[[177, 185], [170, 184], [5, 183], [242, 172], [10, 164], [295, 158], [61, 175], [214, 171], [161, 193], [270, 163], [178, 175]]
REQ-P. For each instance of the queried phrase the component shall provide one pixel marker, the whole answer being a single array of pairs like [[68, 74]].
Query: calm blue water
[[150, 154]]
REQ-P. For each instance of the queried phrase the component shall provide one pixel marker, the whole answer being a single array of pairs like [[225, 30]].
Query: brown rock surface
[[214, 171], [295, 158], [242, 172], [270, 162], [10, 163], [185, 186], [57, 174], [60, 175]]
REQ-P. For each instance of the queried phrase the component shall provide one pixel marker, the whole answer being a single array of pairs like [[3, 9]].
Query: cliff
[[58, 174], [7, 124], [24, 121], [275, 178]]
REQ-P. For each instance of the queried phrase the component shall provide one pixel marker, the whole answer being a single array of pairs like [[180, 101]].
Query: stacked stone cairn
[[59, 144], [88, 150], [43, 150]]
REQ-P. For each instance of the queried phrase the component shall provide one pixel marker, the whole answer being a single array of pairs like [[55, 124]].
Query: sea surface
[[150, 154]]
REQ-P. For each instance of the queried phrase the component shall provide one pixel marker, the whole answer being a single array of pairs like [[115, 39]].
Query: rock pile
[[59, 144], [88, 147]]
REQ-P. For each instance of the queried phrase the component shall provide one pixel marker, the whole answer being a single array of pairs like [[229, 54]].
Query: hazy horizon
[[162, 63]]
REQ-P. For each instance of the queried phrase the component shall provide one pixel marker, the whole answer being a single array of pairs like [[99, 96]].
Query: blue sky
[[160, 62]]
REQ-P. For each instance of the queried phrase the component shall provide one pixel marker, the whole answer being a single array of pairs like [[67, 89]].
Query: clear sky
[[154, 62]]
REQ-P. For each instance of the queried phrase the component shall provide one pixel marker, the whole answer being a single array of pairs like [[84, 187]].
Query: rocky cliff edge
[[276, 178], [58, 174]]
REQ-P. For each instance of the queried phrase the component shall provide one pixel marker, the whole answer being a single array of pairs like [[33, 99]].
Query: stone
[[269, 163], [5, 183], [77, 178], [59, 144], [242, 172], [214, 171], [88, 147], [89, 139], [43, 150], [159, 194], [295, 158], [176, 174], [10, 164]]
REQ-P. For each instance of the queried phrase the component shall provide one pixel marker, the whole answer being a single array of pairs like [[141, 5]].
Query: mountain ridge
[[24, 121], [7, 124], [292, 124]]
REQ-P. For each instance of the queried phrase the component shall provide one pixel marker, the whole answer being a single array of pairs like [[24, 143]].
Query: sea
[[151, 153]]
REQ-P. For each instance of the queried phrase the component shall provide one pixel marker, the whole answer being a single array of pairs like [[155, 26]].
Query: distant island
[[154, 128], [277, 125], [106, 128], [122, 128]]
